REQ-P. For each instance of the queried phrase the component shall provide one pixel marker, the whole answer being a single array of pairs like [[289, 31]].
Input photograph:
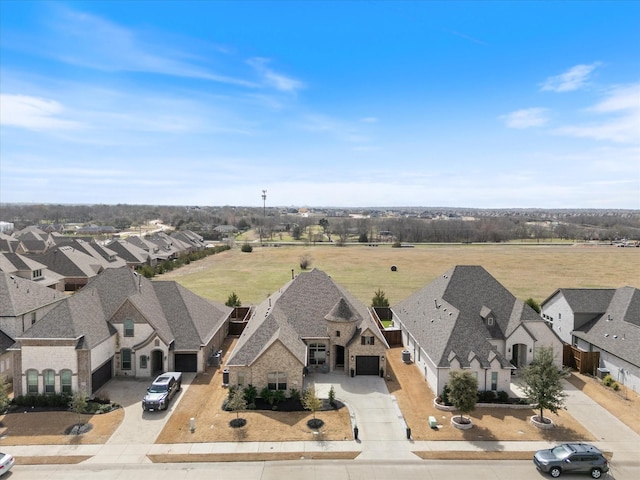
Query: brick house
[[119, 324], [465, 319], [311, 324]]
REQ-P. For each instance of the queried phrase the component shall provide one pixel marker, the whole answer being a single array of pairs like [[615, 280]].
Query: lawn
[[527, 270]]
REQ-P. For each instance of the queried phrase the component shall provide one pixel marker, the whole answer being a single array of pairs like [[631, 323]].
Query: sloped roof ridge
[[343, 312]]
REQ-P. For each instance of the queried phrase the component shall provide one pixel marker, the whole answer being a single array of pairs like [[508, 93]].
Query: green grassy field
[[526, 270]]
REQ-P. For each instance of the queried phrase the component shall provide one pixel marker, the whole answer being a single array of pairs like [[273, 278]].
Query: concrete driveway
[[372, 408], [139, 427]]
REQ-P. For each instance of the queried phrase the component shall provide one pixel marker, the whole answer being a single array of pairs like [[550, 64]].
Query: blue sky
[[362, 103]]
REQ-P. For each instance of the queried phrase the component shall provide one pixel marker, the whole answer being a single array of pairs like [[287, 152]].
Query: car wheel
[[596, 473], [555, 472]]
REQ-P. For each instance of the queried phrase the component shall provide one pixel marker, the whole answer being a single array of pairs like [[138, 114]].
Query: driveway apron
[[373, 410]]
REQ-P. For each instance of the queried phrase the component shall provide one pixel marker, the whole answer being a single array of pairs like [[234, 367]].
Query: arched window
[[126, 359], [65, 381], [32, 382], [49, 377], [128, 328]]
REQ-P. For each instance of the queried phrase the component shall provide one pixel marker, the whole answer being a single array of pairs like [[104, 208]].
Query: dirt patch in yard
[[203, 401], [415, 400], [48, 428]]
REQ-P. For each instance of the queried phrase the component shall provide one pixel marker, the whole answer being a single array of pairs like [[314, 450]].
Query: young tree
[[310, 400], [543, 384], [4, 395], [233, 300], [380, 299], [533, 304], [78, 402], [463, 391], [305, 261], [236, 402]]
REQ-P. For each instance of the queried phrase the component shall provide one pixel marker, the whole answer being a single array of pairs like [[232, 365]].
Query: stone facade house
[[22, 303], [465, 319], [119, 324], [311, 324], [600, 320]]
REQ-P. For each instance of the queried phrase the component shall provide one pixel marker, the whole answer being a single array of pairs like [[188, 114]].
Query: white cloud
[[621, 128], [273, 79], [526, 118], [573, 79], [93, 42], [33, 113]]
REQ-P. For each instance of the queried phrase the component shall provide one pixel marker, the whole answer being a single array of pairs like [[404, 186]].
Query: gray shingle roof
[[585, 300], [19, 296], [297, 311], [617, 329], [176, 314], [448, 316]]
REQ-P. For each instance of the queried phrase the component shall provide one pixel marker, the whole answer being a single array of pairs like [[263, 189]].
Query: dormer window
[[490, 321], [36, 274]]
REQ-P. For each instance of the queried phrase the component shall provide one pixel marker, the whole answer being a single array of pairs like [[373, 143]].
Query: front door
[[339, 356]]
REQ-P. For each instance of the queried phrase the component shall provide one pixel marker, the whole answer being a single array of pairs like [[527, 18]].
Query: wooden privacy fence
[[583, 362]]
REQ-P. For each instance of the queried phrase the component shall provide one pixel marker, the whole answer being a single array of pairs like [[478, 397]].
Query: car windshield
[[561, 452], [157, 388]]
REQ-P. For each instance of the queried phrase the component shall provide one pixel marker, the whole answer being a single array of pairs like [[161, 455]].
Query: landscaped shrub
[[295, 395], [332, 397], [503, 397], [49, 401], [607, 380], [444, 396], [250, 395], [246, 248], [487, 396], [615, 386]]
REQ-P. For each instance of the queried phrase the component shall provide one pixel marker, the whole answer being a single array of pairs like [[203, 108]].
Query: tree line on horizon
[[417, 226]]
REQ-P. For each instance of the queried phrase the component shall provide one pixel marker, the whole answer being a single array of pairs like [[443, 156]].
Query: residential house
[[311, 324], [600, 320], [10, 244], [465, 319], [74, 265], [34, 240], [192, 240], [22, 303], [119, 324], [25, 267], [133, 255], [107, 257]]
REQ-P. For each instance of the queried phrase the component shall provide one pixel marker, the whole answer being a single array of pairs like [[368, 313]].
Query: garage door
[[186, 362], [101, 376], [367, 365]]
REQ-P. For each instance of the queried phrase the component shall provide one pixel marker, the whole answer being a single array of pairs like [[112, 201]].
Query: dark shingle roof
[[175, 313], [617, 329], [586, 300], [300, 310], [19, 296], [448, 316]]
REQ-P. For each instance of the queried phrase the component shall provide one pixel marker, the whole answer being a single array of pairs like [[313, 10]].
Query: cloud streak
[[573, 79], [526, 118], [34, 113]]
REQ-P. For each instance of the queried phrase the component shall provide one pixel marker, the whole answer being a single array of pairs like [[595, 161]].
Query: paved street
[[382, 443]]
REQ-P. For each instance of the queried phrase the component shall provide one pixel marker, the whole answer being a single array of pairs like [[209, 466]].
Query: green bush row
[[148, 271]]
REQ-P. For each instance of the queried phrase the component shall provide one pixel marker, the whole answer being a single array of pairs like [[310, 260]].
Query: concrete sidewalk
[[382, 433]]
